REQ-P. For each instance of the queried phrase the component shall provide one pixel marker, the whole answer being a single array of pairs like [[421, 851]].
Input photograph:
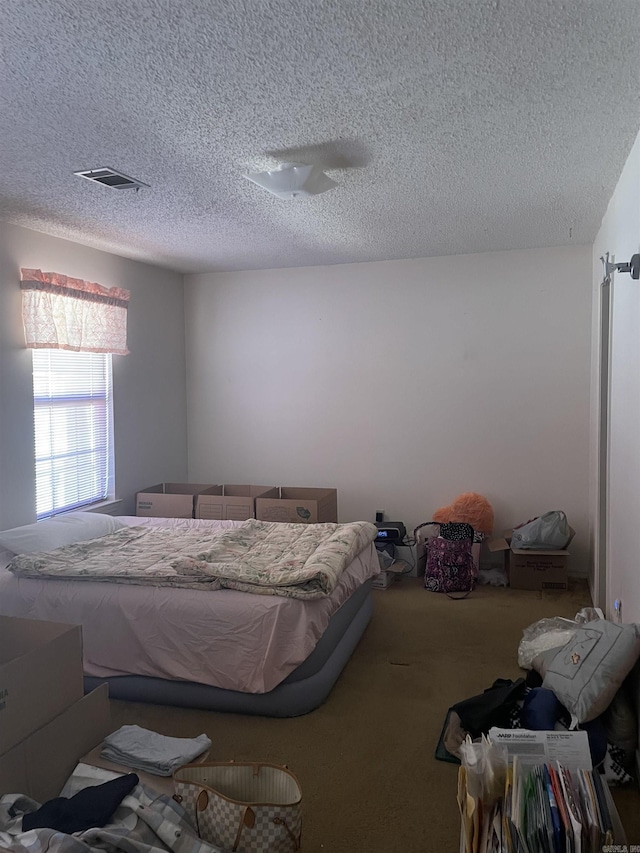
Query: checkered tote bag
[[244, 807]]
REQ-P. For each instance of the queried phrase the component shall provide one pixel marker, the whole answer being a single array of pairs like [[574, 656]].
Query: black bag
[[476, 715], [491, 708]]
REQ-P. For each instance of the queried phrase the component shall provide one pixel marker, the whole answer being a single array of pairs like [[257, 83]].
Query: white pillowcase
[[61, 530]]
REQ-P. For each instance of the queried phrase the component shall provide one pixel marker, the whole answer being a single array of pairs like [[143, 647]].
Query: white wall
[[620, 235], [401, 383], [149, 384]]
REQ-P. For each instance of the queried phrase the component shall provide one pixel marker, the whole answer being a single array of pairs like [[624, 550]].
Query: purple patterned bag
[[450, 567]]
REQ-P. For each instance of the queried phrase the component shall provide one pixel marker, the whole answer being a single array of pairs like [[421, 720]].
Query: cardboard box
[[40, 675], [385, 579], [172, 500], [40, 765], [299, 505], [539, 569], [534, 570], [162, 784], [236, 503]]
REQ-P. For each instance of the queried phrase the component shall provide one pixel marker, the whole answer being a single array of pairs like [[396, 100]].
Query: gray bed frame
[[302, 691]]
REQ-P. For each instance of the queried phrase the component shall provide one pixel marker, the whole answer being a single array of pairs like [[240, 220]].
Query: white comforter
[[296, 560]]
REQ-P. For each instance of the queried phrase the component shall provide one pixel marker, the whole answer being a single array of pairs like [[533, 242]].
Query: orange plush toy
[[470, 508]]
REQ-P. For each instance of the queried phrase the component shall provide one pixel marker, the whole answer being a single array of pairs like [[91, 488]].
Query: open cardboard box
[[39, 765], [172, 500], [299, 505], [46, 721], [535, 570], [40, 675], [163, 784], [236, 503]]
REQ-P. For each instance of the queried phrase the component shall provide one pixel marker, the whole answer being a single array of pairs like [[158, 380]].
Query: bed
[[218, 649]]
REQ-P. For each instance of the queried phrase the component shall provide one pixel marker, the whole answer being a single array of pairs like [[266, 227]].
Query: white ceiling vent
[[111, 178]]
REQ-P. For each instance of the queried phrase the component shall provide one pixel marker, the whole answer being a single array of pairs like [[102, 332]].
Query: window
[[73, 413]]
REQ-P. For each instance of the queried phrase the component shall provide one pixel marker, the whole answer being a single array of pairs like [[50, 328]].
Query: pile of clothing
[[587, 682], [99, 809], [141, 820]]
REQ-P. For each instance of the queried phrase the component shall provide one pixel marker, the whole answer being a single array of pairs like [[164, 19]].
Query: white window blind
[[73, 429]]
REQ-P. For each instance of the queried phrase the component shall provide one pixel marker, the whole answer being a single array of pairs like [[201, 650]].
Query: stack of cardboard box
[[238, 502], [46, 721]]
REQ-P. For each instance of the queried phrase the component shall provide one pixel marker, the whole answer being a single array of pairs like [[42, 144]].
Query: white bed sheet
[[228, 639]]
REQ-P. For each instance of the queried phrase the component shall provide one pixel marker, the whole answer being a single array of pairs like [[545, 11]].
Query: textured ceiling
[[449, 126]]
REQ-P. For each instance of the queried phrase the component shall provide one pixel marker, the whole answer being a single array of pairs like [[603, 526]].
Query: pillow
[[586, 673], [61, 530]]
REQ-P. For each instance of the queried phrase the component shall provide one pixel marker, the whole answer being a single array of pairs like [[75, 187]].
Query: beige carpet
[[365, 758]]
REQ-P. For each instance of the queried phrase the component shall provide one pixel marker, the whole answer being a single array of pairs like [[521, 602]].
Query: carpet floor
[[365, 759]]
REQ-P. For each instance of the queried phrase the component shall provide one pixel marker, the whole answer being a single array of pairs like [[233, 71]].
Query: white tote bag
[[245, 807]]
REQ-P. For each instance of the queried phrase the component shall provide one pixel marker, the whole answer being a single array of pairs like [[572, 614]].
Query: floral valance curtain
[[67, 313]]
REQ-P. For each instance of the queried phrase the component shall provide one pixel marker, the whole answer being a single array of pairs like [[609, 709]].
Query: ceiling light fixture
[[293, 180]]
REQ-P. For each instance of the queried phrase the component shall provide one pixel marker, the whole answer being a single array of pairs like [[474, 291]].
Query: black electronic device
[[393, 532]]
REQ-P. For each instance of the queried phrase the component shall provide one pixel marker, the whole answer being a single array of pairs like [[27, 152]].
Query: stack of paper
[[549, 809], [553, 802]]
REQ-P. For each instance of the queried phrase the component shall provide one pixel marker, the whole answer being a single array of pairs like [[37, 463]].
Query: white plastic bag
[[543, 635], [486, 764], [552, 633], [549, 532]]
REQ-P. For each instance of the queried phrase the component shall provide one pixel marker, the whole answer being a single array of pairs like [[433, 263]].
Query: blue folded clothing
[[542, 709], [154, 753]]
